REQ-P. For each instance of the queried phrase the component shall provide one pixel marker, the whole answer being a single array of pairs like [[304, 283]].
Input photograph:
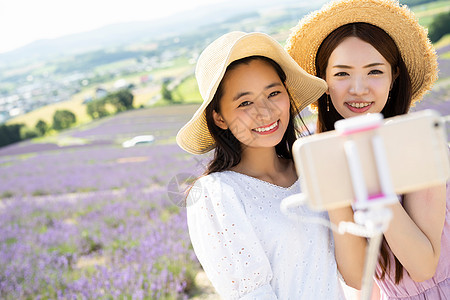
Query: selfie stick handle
[[371, 213]]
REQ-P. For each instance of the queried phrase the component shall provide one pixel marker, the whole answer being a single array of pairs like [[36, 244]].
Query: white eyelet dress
[[250, 250]]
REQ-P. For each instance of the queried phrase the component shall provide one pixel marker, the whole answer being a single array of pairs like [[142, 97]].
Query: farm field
[[439, 97], [182, 69], [81, 217]]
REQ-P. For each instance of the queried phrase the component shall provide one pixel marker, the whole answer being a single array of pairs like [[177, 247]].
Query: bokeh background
[[84, 215]]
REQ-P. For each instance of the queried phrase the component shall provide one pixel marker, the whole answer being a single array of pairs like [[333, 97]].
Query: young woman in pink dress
[[376, 57]]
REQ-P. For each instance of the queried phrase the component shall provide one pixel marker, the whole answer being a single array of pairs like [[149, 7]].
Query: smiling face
[[359, 78], [255, 105]]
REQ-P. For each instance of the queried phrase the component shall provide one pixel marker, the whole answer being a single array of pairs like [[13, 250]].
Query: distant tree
[[28, 133], [10, 134], [96, 109], [166, 94], [122, 100], [41, 127], [63, 119], [439, 27], [415, 2]]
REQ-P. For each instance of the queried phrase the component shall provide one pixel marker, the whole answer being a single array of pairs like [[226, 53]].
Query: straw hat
[[304, 88], [396, 20]]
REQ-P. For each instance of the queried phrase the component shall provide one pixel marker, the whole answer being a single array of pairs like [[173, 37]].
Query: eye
[[273, 94], [341, 74], [376, 72], [244, 103]]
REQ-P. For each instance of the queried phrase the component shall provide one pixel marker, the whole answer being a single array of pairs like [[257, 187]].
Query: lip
[[356, 109], [268, 131]]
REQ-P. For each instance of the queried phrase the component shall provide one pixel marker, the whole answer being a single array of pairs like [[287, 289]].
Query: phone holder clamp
[[371, 217]]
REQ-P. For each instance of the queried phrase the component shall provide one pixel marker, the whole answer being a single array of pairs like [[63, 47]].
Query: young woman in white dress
[[252, 91]]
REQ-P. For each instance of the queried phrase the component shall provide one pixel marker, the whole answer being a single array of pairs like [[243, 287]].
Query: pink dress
[[436, 288]]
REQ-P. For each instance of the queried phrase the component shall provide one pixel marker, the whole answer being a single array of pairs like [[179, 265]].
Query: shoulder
[[214, 185], [217, 180]]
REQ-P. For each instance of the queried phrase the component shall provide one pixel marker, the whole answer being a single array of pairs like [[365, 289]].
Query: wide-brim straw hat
[[395, 19], [304, 88]]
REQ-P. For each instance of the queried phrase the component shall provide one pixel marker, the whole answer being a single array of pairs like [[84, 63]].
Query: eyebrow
[[366, 66], [241, 94]]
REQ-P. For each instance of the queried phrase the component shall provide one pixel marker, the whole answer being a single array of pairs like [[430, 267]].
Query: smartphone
[[416, 151]]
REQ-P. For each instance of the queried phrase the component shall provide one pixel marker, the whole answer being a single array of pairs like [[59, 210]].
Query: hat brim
[[304, 88], [396, 20]]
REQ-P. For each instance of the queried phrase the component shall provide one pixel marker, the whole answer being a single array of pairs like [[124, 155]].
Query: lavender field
[[439, 97], [88, 219], [81, 217]]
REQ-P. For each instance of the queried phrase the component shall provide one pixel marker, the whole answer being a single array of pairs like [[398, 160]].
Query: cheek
[[337, 87], [286, 107], [279, 108], [381, 87], [237, 120], [334, 82]]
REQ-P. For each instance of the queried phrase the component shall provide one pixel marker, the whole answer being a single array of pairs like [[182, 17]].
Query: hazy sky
[[24, 21]]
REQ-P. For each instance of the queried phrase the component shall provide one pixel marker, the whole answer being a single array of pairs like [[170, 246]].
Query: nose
[[359, 86], [264, 110]]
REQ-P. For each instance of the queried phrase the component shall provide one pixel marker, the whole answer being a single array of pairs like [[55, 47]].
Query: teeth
[[264, 129], [359, 105]]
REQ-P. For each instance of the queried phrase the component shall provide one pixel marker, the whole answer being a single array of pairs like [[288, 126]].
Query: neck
[[264, 164]]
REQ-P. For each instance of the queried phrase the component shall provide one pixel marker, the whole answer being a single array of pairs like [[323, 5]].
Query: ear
[[328, 88], [324, 78], [394, 77], [219, 120]]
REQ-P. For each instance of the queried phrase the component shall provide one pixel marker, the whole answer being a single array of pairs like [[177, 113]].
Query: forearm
[[411, 246], [349, 249], [414, 233]]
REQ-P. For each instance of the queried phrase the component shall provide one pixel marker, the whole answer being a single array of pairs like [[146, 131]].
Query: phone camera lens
[[437, 124]]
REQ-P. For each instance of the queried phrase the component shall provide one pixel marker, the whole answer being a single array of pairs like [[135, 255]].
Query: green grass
[[173, 71], [23, 69], [116, 65], [426, 12], [444, 41], [188, 91]]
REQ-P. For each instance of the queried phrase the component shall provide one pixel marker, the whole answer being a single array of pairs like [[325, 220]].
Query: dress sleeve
[[225, 242]]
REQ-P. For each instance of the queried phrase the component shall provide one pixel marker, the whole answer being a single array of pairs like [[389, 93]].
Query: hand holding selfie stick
[[371, 216], [372, 160], [371, 213]]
